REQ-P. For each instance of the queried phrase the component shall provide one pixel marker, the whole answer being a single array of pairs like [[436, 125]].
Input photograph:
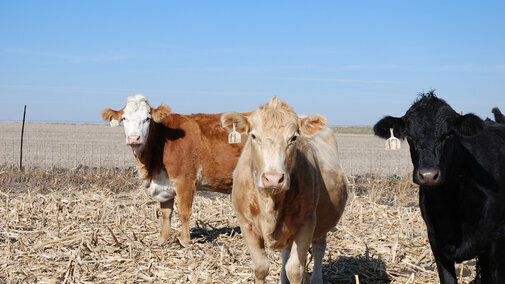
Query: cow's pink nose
[[133, 139], [273, 180]]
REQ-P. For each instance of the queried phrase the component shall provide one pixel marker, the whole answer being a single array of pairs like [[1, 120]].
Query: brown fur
[[180, 145], [308, 209], [109, 114]]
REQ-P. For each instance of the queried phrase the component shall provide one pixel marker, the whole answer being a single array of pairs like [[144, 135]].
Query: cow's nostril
[[272, 179], [420, 175], [435, 177]]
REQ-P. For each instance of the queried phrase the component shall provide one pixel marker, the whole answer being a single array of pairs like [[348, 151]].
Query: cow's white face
[[136, 119]]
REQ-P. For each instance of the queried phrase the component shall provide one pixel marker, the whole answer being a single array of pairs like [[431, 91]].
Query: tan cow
[[288, 189], [176, 154]]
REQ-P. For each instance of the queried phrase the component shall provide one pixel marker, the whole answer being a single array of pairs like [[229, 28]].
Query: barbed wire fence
[[72, 145]]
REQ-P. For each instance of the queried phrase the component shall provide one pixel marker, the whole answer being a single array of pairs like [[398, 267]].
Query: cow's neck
[[271, 210], [151, 155], [463, 172]]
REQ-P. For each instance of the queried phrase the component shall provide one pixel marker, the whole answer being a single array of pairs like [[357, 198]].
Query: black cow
[[459, 164], [498, 116]]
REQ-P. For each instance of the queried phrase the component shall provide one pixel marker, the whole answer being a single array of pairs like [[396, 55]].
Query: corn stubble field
[[94, 224]]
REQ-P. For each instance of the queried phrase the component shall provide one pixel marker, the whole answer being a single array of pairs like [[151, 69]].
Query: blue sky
[[352, 61]]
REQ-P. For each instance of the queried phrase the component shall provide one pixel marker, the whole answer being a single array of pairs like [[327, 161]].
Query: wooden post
[[21, 148]]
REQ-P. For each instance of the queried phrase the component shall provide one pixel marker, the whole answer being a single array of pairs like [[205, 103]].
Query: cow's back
[[486, 150]]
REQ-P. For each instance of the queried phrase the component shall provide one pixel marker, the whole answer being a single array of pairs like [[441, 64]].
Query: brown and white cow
[[288, 188], [176, 154]]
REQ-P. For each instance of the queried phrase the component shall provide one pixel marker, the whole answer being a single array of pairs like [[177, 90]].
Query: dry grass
[[96, 226]]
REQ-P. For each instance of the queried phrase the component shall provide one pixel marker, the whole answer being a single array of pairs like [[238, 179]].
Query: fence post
[[21, 148]]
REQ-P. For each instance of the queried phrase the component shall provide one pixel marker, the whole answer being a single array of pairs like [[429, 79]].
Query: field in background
[[79, 215], [92, 225], [353, 129], [70, 146]]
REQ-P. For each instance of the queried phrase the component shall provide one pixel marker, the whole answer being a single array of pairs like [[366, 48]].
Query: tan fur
[[241, 125], [288, 219], [191, 150], [310, 125]]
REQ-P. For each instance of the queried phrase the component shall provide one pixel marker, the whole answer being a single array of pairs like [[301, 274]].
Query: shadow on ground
[[344, 270], [204, 232]]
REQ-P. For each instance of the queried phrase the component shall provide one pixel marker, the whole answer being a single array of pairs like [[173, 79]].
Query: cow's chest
[[456, 222], [279, 231], [279, 239], [161, 188]]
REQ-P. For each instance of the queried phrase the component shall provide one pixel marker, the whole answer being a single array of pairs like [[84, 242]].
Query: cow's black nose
[[428, 176]]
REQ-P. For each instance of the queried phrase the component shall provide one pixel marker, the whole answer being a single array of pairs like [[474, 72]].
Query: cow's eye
[[293, 139], [148, 119], [255, 139]]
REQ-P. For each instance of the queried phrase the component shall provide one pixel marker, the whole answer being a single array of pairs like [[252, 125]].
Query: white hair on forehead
[[138, 105]]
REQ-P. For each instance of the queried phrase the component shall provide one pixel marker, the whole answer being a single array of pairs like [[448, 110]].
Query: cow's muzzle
[[428, 177], [134, 140], [273, 180]]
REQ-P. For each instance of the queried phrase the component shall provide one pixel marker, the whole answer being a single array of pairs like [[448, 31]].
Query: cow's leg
[[256, 246], [185, 192], [483, 267], [285, 256], [445, 266], [295, 264], [318, 248], [492, 263], [167, 207]]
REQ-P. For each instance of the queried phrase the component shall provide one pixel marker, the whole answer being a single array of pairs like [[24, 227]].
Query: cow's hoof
[[164, 238], [184, 242]]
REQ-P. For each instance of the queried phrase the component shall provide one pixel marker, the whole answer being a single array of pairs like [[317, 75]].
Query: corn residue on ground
[[87, 225]]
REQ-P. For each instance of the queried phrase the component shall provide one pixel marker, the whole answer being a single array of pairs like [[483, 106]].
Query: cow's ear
[[382, 127], [114, 117], [241, 122], [498, 116], [310, 125], [160, 113], [468, 124]]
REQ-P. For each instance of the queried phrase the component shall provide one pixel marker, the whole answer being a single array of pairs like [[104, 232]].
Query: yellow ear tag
[[392, 143], [234, 137]]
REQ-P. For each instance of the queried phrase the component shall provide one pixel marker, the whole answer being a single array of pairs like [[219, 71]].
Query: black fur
[[465, 212], [498, 116]]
